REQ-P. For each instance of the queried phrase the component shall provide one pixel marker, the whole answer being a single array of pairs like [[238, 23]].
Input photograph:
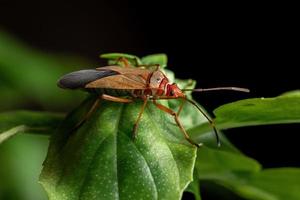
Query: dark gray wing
[[79, 79]]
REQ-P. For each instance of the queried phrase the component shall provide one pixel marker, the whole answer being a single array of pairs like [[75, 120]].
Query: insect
[[126, 84]]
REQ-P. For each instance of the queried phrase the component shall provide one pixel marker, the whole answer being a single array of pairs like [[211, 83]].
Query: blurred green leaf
[[211, 163], [194, 187], [100, 160], [216, 165], [269, 184], [153, 59], [113, 58], [245, 177], [186, 84], [277, 184], [170, 74], [258, 111], [15, 122], [21, 161], [31, 75]]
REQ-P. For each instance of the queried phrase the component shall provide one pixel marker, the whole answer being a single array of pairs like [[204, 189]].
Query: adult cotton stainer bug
[[126, 84]]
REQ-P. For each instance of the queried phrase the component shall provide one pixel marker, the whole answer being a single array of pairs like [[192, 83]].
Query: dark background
[[248, 45]]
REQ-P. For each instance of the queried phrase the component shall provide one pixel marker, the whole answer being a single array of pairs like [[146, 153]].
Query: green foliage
[[258, 111], [245, 177], [100, 160], [28, 80], [113, 58], [31, 75], [153, 59], [27, 122], [21, 161], [212, 161], [194, 187]]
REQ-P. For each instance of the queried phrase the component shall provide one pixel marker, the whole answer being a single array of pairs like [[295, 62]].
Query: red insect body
[[125, 84]]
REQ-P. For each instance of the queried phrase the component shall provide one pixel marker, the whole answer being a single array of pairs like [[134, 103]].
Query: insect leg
[[135, 126], [174, 114], [87, 115], [211, 122], [123, 61], [95, 105], [115, 99], [183, 100], [124, 100]]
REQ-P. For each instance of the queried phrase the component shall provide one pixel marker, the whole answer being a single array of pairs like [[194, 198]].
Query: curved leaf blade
[[282, 183], [100, 160], [269, 184], [245, 176], [257, 111], [113, 57], [194, 187], [153, 59], [212, 163]]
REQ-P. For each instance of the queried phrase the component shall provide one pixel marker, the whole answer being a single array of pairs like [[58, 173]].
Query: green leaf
[[153, 59], [245, 177], [278, 183], [134, 60], [101, 161], [12, 123], [32, 75], [114, 56], [216, 165], [269, 184], [194, 187], [21, 161], [186, 84], [258, 111], [211, 163]]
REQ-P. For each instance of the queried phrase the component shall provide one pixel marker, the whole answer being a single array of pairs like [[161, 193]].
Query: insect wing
[[128, 70], [79, 79], [127, 78], [127, 81]]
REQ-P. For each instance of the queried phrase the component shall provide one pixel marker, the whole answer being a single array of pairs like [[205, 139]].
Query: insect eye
[[158, 79]]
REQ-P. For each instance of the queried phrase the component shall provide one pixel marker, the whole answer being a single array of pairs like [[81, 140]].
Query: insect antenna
[[218, 88], [209, 120]]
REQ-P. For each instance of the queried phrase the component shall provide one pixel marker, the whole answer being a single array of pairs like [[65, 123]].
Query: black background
[[248, 45]]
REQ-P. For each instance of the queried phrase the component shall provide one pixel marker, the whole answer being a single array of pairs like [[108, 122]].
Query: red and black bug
[[125, 84]]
